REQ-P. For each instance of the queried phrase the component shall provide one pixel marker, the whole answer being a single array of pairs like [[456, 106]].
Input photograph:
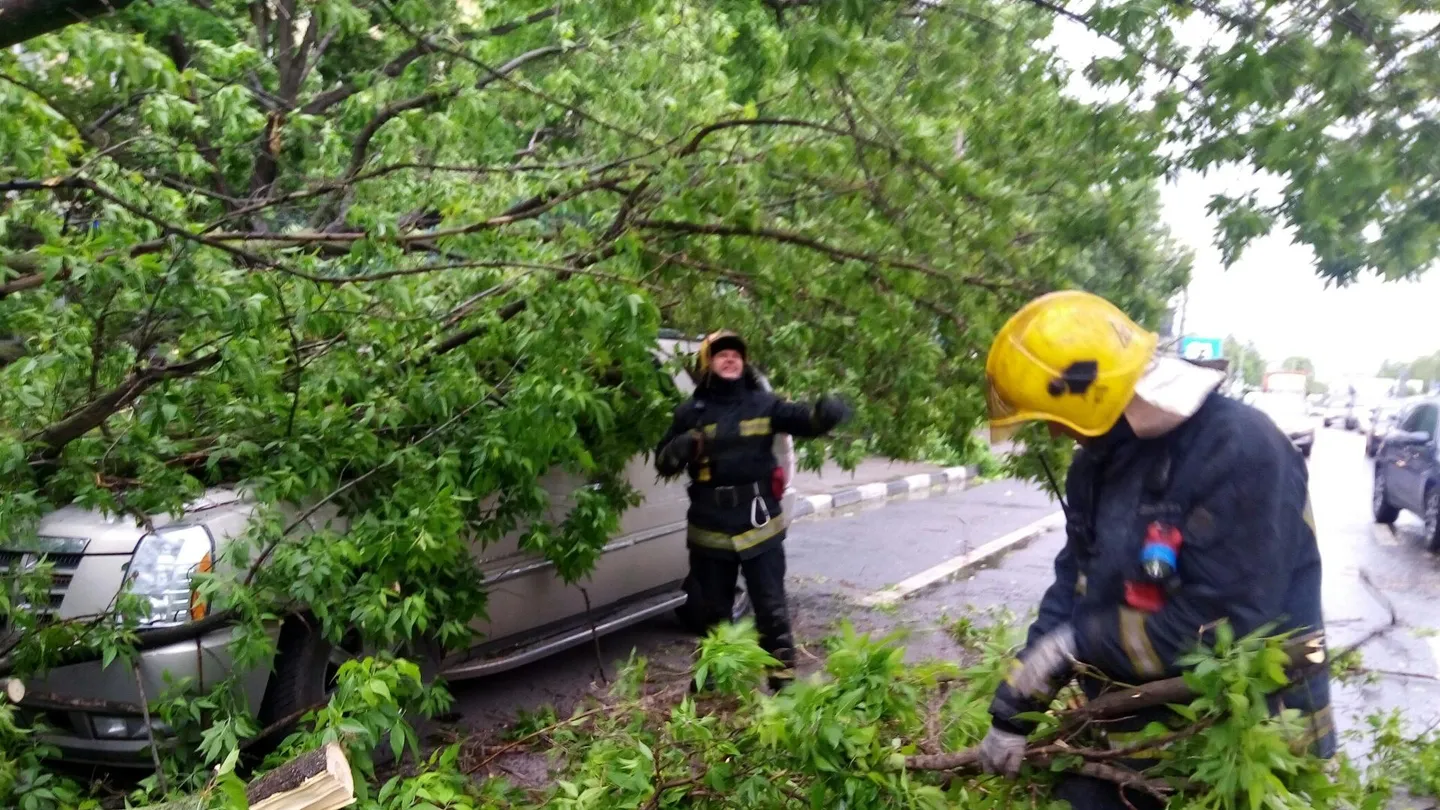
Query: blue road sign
[[1200, 348]]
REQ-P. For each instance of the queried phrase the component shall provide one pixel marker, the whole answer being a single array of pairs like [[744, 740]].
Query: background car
[[1338, 412], [1407, 470], [1290, 413], [532, 613]]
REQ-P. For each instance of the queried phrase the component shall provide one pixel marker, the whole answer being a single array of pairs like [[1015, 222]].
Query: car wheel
[[1432, 518], [306, 666], [1380, 502], [693, 619]]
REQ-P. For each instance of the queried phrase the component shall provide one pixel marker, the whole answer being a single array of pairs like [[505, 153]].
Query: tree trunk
[[316, 780], [24, 19]]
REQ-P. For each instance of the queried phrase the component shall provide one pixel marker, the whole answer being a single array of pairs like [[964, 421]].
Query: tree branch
[[94, 413], [362, 141], [25, 19], [810, 243], [396, 66], [455, 341]]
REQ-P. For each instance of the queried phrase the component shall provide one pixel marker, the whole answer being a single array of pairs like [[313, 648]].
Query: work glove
[[681, 450], [830, 411], [1045, 661], [1001, 752]]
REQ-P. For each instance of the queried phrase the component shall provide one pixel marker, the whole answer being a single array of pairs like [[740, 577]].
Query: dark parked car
[[1407, 469]]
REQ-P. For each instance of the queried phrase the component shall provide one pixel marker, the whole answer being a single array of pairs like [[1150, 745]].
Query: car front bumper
[[92, 713]]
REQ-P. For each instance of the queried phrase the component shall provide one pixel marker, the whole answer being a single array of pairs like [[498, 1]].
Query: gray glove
[[1001, 752], [1050, 657]]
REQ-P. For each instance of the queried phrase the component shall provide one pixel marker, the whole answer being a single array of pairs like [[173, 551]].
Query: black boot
[[784, 675]]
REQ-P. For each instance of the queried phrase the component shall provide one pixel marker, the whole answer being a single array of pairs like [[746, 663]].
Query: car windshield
[[1281, 407]]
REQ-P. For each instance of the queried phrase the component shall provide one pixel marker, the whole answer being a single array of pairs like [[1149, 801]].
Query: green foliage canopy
[[412, 255]]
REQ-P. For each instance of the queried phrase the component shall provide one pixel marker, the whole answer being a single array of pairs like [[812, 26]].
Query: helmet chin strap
[[1054, 484]]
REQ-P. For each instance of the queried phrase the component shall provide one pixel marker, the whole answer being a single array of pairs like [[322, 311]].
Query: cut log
[[15, 690], [316, 780]]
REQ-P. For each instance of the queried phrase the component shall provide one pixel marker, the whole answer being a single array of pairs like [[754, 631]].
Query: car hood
[[102, 534]]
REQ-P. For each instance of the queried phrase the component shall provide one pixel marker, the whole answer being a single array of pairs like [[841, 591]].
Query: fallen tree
[[400, 256]]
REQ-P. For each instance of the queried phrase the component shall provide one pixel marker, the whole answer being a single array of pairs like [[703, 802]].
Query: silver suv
[[532, 613]]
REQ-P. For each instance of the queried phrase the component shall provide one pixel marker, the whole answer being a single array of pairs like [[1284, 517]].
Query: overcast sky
[[1272, 296]]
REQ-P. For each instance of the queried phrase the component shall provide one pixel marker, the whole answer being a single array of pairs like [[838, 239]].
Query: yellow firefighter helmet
[[1068, 357], [713, 344]]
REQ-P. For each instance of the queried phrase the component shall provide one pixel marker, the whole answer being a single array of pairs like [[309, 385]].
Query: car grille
[[62, 573]]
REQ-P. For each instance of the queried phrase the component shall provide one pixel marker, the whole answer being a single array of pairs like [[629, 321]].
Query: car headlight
[[161, 569]]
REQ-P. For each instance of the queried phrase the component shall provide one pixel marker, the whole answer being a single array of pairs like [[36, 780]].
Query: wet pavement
[[835, 560], [1404, 663]]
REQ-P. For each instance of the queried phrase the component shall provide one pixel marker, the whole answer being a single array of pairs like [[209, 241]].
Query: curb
[[949, 569], [806, 505]]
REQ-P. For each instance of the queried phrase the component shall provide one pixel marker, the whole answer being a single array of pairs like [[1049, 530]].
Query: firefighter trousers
[[713, 579]]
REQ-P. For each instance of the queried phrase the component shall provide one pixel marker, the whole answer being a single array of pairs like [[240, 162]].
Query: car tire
[[1432, 518], [694, 621], [305, 667], [1384, 511]]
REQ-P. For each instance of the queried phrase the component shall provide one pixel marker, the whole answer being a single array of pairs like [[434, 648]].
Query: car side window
[[1409, 419], [1425, 420]]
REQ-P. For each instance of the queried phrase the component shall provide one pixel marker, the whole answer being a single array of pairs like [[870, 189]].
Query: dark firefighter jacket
[[1237, 489], [737, 424]]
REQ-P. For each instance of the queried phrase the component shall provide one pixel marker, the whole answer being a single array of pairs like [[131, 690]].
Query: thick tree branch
[[380, 119], [455, 341], [705, 132], [396, 66], [24, 19], [362, 141], [95, 412], [811, 243], [28, 264]]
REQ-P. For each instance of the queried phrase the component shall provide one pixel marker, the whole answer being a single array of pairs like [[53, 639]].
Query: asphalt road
[[837, 561]]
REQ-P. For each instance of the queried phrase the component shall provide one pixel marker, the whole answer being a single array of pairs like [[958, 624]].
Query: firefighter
[[723, 436], [1182, 508]]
